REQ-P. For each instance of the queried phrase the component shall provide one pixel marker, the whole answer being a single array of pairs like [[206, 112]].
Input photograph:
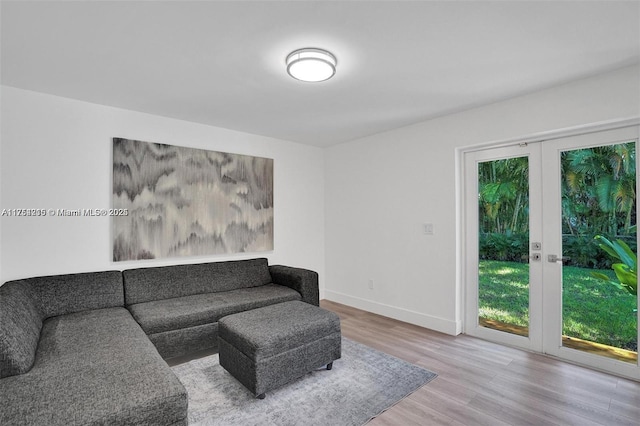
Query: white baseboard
[[427, 321]]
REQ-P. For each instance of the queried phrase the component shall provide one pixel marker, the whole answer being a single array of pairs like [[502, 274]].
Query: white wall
[[57, 153], [381, 189]]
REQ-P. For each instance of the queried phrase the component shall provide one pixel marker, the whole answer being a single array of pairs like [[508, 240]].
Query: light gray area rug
[[362, 384]]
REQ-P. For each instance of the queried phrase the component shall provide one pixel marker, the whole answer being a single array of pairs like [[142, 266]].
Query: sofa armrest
[[303, 281], [20, 326]]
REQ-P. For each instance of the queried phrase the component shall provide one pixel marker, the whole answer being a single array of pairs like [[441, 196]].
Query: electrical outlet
[[370, 284], [427, 228]]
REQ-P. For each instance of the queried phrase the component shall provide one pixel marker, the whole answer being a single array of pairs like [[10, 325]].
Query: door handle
[[552, 258]]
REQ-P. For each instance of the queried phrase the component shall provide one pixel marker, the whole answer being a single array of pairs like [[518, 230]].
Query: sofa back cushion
[[20, 325], [66, 294], [166, 282]]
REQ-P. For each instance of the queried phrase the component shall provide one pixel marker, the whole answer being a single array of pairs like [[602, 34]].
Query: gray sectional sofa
[[88, 348]]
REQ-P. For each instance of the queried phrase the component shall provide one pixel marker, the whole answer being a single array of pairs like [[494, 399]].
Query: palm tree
[[599, 189], [504, 195]]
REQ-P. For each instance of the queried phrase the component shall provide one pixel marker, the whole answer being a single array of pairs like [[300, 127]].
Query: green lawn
[[592, 309]]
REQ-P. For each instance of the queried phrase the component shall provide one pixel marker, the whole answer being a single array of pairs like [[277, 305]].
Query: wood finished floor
[[481, 383]]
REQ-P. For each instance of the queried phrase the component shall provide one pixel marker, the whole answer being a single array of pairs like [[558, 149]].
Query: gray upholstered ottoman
[[267, 347]]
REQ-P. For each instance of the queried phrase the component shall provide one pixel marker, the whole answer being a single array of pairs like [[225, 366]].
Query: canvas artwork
[[187, 202]]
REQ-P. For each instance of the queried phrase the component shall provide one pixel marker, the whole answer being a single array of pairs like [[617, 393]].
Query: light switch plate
[[427, 228]]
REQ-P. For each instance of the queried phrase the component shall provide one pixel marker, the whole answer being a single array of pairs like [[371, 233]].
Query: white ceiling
[[222, 63]]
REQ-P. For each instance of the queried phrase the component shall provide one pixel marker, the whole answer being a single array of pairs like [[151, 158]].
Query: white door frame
[[464, 274]]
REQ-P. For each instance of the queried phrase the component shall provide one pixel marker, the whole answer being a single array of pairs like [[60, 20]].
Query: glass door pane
[[599, 284], [503, 239]]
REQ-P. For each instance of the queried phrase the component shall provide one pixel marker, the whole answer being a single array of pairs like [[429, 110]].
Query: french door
[[503, 230], [543, 223]]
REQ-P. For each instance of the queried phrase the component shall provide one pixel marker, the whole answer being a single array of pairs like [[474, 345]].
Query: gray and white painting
[[189, 202]]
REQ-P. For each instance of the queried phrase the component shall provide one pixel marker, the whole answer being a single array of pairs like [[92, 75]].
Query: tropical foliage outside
[[626, 268], [598, 200]]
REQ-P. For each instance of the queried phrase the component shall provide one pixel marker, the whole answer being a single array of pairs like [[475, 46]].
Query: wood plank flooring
[[482, 383]]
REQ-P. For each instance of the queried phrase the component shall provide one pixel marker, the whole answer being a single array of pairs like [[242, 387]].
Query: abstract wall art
[[187, 202]]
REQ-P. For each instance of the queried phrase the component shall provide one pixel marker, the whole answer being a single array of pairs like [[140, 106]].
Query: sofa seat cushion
[[189, 311], [94, 367]]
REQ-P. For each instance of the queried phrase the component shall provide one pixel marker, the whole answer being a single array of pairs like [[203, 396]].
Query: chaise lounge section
[[73, 355]]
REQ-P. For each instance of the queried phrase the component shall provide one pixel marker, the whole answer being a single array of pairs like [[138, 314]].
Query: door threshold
[[600, 349]]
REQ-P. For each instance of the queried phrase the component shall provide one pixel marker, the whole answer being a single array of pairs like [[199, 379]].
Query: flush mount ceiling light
[[311, 65]]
